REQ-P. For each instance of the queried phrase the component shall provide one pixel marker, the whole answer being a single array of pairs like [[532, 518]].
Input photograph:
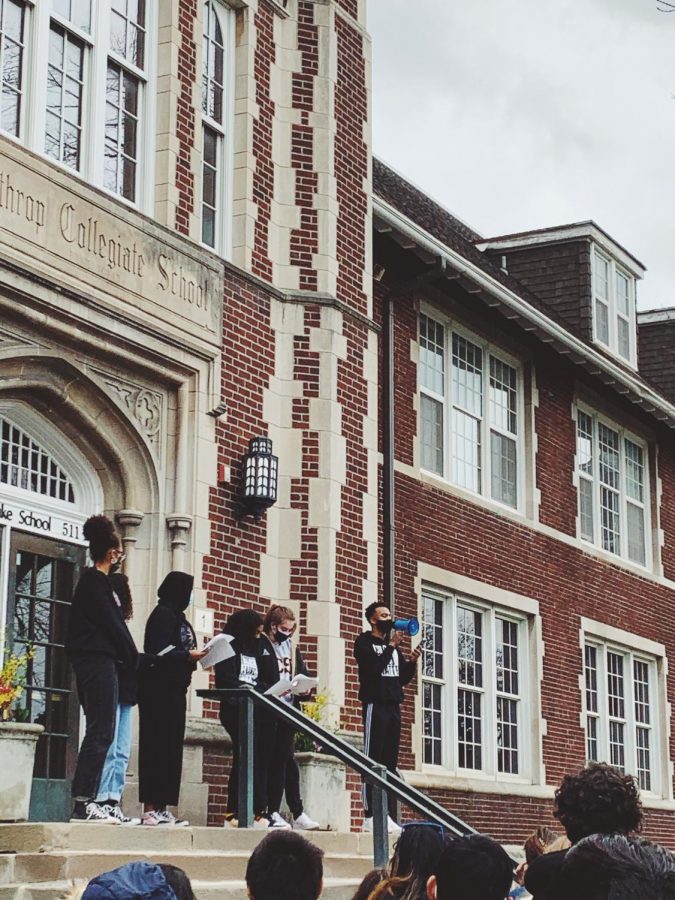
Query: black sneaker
[[93, 812], [115, 811]]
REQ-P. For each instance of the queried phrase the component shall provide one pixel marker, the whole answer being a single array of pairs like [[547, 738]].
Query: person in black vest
[[254, 664], [383, 672], [162, 700], [98, 641]]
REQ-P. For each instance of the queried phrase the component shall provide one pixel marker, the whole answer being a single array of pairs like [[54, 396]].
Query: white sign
[[42, 521]]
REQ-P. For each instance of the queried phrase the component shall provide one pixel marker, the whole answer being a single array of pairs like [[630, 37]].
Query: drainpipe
[[388, 496]]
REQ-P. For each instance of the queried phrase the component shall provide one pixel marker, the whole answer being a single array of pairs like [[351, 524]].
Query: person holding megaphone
[[383, 673]]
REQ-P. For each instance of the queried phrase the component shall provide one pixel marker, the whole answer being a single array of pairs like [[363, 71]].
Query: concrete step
[[209, 865], [334, 889], [40, 838]]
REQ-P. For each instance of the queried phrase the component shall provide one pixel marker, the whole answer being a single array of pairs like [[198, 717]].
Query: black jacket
[[237, 671], [383, 670], [542, 878], [167, 626], [96, 625]]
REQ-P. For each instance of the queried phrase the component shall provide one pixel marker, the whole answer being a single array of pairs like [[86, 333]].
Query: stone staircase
[[41, 861]]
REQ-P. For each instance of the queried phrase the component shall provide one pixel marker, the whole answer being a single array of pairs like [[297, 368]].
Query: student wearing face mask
[[253, 664], [278, 631], [383, 673]]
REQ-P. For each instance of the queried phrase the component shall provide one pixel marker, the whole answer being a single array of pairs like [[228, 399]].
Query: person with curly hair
[[414, 861], [597, 800]]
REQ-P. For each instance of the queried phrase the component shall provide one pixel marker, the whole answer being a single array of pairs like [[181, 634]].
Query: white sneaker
[[169, 819], [392, 827], [278, 823], [261, 822], [152, 818], [94, 812], [304, 823], [115, 811]]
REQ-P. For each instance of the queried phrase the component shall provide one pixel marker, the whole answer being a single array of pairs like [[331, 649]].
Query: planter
[[17, 757], [323, 788]]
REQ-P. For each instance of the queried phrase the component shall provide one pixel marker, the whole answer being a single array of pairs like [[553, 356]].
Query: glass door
[[42, 575]]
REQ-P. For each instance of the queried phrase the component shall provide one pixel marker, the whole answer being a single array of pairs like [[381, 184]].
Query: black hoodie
[[168, 627], [96, 626]]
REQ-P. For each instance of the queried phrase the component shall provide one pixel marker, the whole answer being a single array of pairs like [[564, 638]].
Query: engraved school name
[[87, 234]]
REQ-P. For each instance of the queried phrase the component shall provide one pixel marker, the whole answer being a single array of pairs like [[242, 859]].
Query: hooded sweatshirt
[[129, 882], [96, 626], [168, 627], [383, 669]]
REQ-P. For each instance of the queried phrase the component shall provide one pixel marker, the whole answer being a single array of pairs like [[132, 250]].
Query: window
[[89, 88], [614, 307], [25, 465], [613, 488], [470, 414], [12, 46], [473, 687], [621, 710], [214, 102]]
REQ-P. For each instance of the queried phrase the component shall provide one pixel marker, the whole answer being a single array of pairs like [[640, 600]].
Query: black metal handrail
[[383, 781]]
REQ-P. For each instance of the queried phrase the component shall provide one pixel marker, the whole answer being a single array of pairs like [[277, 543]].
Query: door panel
[[42, 576]]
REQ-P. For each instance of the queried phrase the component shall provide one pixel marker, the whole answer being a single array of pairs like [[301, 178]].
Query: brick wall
[[185, 116]]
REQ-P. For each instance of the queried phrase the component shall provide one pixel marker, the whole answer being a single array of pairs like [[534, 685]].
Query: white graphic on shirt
[[391, 669], [248, 670], [283, 654]]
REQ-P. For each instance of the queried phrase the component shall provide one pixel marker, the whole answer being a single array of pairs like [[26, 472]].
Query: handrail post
[[380, 822], [245, 791]]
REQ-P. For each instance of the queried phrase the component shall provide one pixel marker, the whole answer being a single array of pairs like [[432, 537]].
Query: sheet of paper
[[301, 684], [166, 650], [218, 649]]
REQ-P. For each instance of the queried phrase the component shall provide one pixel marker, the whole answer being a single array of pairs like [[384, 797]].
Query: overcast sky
[[519, 114]]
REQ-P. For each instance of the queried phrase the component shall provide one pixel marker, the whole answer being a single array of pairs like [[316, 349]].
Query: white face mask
[[192, 597]]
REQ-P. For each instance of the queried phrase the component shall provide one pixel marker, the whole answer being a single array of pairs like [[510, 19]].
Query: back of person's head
[[285, 866], [539, 842], [616, 867], [414, 860], [369, 883], [102, 537], [138, 880], [474, 866], [598, 800], [178, 880]]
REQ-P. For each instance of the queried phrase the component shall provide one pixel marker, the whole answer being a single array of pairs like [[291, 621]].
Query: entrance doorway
[[42, 575]]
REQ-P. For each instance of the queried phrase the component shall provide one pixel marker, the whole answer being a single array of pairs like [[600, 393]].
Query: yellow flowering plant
[[314, 709], [13, 680]]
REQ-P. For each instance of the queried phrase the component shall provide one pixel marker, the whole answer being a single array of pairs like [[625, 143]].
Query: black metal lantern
[[259, 474]]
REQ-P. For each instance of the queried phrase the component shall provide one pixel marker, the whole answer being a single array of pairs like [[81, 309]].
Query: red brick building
[[474, 430]]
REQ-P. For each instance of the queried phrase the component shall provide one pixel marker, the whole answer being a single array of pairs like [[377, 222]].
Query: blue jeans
[[117, 760]]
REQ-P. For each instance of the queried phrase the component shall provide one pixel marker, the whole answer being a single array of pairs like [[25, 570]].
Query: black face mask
[[280, 637], [114, 568], [385, 626]]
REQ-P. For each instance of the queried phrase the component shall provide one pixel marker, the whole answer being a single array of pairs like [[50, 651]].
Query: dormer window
[[614, 308]]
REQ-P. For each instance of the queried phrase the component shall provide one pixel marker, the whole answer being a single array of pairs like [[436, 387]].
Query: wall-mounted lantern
[[259, 474]]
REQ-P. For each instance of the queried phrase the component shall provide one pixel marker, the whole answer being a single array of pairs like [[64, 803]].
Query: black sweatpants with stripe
[[381, 740]]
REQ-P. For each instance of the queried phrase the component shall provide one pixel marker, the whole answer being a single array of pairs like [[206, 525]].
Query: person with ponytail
[[162, 700], [98, 643]]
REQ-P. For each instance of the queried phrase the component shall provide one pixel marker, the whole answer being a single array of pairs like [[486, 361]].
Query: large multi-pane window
[[470, 412], [613, 488], [614, 307], [473, 686], [88, 85], [12, 48], [214, 101], [621, 711]]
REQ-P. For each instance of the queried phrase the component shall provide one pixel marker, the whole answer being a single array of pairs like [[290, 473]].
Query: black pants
[[97, 688], [284, 774], [263, 747], [381, 739], [161, 709]]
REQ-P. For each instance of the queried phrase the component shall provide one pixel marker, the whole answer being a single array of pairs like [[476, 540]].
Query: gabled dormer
[[582, 275]]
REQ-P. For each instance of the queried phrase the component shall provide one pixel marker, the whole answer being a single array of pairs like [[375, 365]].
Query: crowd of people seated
[[600, 856]]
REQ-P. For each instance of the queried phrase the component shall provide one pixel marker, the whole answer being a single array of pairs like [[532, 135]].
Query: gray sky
[[519, 114]]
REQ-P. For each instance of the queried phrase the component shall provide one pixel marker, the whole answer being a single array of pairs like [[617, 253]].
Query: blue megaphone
[[410, 626]]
